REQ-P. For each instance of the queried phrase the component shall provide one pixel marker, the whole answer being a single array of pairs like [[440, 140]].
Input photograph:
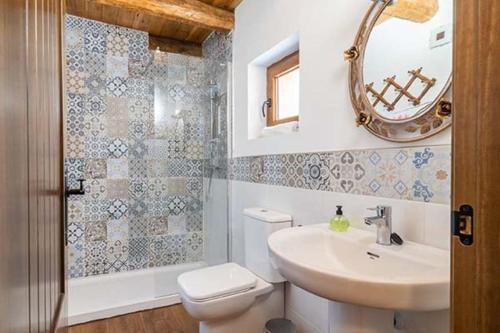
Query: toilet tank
[[259, 224]]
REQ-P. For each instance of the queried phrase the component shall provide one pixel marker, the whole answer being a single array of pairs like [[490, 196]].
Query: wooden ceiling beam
[[192, 12], [175, 46]]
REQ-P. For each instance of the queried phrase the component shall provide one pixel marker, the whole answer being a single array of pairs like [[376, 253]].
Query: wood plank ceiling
[[179, 26]]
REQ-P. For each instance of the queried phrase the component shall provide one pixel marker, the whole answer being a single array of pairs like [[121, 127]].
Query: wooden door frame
[[475, 288]]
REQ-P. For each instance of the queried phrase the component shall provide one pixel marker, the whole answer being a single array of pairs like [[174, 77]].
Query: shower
[[145, 130]]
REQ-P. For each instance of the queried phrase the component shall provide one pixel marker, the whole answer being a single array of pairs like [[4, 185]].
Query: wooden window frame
[[274, 72]]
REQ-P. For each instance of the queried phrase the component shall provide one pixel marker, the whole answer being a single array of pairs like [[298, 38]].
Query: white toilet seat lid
[[216, 281]]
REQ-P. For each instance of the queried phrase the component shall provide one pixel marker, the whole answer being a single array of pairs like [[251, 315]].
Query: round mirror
[[408, 57], [401, 67]]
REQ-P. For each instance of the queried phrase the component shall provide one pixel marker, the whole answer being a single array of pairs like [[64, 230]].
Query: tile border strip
[[414, 173]]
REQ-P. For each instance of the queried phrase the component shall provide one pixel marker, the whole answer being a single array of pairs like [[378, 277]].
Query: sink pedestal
[[349, 318]]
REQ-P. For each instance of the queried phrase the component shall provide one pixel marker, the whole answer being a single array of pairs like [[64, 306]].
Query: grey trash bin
[[280, 326]]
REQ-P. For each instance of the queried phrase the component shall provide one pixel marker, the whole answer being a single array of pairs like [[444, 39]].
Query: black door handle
[[78, 191]]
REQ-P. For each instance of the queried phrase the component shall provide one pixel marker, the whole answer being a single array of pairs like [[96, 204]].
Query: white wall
[[326, 28]]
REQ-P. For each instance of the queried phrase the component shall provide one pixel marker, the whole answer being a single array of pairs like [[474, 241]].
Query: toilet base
[[253, 320]]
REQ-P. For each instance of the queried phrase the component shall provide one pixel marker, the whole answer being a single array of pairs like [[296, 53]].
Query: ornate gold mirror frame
[[430, 120]]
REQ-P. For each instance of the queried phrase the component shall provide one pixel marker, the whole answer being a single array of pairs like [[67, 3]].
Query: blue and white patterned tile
[[193, 150], [194, 186], [96, 147], [75, 209], [138, 208], [177, 167], [167, 250], [96, 130], [273, 170], [92, 26], [116, 87], [421, 173], [117, 209], [75, 124], [138, 46], [316, 169], [138, 253], [194, 247], [75, 104], [422, 157], [157, 149], [158, 188], [140, 131], [117, 44], [138, 169], [96, 84], [432, 174], [138, 189], [75, 60], [74, 22], [194, 168], [118, 148], [193, 204], [290, 170], [138, 227], [95, 189], [193, 221], [75, 146], [95, 63], [110, 85], [141, 109], [117, 256], [140, 89], [74, 169], [95, 258], [176, 205], [157, 207], [348, 172], [95, 41], [75, 232], [95, 105], [75, 82], [76, 260], [95, 210]]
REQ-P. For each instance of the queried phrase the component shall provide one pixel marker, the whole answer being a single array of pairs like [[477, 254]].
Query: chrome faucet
[[383, 221]]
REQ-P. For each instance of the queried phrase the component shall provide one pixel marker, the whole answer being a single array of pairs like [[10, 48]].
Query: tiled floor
[[172, 319]]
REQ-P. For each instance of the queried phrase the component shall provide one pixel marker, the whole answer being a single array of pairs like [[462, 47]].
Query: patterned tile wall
[[135, 131], [419, 174]]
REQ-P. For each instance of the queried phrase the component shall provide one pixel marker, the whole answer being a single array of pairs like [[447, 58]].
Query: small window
[[283, 90]]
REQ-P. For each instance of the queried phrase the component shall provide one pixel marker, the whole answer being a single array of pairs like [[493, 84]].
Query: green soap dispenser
[[339, 222]]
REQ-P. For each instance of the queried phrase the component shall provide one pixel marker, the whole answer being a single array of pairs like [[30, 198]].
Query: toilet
[[229, 298]]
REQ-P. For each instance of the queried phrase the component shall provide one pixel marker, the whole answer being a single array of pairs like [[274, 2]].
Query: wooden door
[[14, 235], [31, 187], [475, 303]]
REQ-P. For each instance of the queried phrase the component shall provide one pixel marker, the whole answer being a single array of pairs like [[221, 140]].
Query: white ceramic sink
[[351, 268]]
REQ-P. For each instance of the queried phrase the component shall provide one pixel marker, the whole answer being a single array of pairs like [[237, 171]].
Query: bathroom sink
[[351, 268]]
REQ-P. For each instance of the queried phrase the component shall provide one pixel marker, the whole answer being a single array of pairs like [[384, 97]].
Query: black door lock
[[463, 224]]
